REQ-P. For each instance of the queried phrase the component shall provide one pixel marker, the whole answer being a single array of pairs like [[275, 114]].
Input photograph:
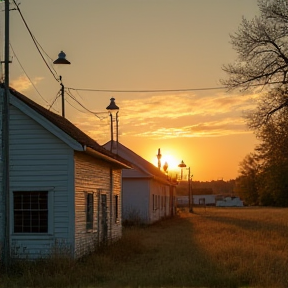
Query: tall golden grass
[[213, 247]]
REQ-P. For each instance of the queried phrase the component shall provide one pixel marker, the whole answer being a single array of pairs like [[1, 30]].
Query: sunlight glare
[[172, 162]]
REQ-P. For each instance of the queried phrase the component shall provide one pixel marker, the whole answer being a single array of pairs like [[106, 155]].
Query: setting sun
[[171, 161], [169, 157]]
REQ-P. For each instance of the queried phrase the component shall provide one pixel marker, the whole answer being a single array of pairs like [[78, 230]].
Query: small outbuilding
[[65, 188], [148, 194]]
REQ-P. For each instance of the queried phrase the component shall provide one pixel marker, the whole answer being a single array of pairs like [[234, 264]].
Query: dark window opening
[[31, 212], [89, 211], [116, 207]]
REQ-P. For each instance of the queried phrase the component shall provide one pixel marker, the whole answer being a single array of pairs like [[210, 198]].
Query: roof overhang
[[99, 155]]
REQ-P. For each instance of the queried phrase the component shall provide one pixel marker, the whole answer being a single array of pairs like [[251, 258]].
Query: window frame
[[89, 211], [49, 204]]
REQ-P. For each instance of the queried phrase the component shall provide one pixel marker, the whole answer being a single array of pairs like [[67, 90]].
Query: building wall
[[159, 205], [2, 207], [136, 200], [146, 199], [93, 176], [39, 161]]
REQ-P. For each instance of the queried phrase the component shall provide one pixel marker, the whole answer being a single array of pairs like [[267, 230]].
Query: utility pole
[[5, 149], [62, 60]]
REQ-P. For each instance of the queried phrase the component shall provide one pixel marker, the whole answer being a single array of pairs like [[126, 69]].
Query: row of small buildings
[[210, 200], [68, 192]]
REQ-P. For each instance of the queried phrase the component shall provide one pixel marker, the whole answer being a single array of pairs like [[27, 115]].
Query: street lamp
[[62, 60], [183, 165], [112, 108]]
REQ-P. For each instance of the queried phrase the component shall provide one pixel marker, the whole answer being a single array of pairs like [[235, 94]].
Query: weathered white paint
[[46, 124], [92, 176], [41, 161]]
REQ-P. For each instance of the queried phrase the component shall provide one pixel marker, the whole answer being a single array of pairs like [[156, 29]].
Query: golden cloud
[[180, 115], [23, 84]]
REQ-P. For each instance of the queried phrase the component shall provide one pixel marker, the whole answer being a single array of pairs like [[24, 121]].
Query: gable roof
[[70, 129], [141, 167]]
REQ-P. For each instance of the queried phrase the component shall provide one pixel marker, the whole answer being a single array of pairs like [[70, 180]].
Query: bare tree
[[262, 48], [246, 183]]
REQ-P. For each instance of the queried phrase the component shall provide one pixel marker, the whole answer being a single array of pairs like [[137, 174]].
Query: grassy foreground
[[216, 247]]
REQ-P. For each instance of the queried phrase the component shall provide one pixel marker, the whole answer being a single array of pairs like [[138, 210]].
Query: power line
[[147, 91], [35, 42], [57, 96], [27, 74], [73, 97]]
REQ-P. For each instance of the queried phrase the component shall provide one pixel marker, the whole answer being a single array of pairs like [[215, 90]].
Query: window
[[116, 207], [31, 212], [154, 202], [89, 211]]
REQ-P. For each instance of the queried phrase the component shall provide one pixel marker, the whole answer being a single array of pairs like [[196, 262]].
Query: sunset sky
[[160, 59]]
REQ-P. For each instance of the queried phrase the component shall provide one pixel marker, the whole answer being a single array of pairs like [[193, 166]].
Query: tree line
[[261, 67]]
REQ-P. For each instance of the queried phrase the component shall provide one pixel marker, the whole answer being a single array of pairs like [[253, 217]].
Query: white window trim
[[50, 191]]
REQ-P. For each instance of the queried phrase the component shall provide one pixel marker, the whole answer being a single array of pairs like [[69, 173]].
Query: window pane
[[17, 201], [43, 202], [31, 212], [26, 200], [34, 201]]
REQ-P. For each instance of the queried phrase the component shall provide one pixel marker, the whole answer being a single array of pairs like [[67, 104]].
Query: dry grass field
[[213, 247]]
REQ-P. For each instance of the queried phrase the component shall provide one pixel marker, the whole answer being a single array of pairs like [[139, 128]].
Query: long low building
[[197, 200], [211, 200], [229, 202]]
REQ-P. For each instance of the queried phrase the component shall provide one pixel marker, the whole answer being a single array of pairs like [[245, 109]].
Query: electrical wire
[[88, 110], [147, 91], [54, 73], [57, 96], [165, 90], [27, 74], [35, 41]]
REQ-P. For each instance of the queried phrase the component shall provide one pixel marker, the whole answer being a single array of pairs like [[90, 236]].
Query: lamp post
[[112, 108], [183, 165], [159, 156], [62, 60]]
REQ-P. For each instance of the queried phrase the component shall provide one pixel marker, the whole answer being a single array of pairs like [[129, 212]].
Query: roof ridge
[[65, 125]]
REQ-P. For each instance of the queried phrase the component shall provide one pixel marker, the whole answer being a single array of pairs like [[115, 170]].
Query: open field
[[216, 247]]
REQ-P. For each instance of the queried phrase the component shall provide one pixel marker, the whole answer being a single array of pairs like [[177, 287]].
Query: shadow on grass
[[166, 254], [171, 258]]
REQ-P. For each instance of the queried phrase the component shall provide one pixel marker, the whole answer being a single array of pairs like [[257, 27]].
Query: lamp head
[[182, 164], [61, 59], [112, 106]]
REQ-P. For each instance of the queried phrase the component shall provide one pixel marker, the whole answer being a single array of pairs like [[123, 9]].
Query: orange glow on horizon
[[167, 156]]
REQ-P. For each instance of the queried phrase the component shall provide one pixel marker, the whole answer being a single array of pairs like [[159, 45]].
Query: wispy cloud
[[23, 84], [181, 115]]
